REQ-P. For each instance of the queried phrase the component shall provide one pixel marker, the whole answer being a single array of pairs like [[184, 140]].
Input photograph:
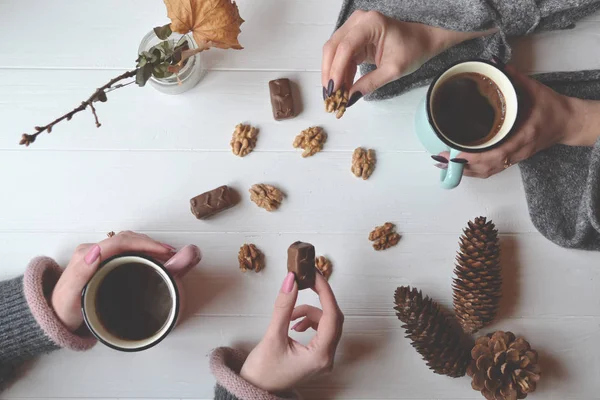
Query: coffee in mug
[[469, 108], [131, 303]]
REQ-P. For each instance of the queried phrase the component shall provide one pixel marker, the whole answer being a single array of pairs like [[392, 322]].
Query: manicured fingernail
[[356, 96], [496, 60], [330, 88], [440, 159], [167, 246], [459, 160], [297, 324], [324, 93], [441, 166], [92, 255], [288, 283]]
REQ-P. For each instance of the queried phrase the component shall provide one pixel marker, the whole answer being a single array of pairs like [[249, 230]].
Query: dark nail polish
[[440, 159], [324, 93], [356, 96], [441, 166], [459, 160], [496, 60], [330, 88]]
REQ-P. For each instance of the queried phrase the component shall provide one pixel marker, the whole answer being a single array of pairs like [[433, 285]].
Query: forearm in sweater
[[28, 326]]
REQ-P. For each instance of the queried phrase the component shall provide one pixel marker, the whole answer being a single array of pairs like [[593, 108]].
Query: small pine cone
[[243, 140], [363, 162], [337, 103], [251, 258], [504, 367], [324, 266], [310, 140], [478, 284], [384, 237], [432, 333], [266, 196]]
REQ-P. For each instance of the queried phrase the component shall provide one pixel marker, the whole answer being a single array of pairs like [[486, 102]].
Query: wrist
[[583, 120]]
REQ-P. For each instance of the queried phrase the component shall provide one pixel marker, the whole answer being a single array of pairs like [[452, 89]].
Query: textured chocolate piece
[[212, 202], [301, 261], [282, 100]]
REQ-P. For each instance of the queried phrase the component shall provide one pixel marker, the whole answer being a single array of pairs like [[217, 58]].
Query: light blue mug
[[434, 140]]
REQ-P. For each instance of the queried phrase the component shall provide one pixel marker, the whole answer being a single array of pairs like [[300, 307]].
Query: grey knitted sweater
[[562, 184]]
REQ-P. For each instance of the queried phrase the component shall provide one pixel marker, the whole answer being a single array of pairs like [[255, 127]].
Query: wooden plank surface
[[154, 152]]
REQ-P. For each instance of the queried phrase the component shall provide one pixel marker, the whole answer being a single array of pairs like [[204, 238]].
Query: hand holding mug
[[66, 296], [279, 362], [545, 118]]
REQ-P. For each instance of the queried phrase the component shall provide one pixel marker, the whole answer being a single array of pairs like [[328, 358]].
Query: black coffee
[[133, 302], [468, 108]]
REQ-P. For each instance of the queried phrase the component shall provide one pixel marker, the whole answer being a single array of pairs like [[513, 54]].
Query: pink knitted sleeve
[[38, 282], [225, 364]]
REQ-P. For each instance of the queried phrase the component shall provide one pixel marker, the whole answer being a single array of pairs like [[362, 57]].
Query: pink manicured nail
[[169, 247], [92, 255], [297, 324], [288, 283]]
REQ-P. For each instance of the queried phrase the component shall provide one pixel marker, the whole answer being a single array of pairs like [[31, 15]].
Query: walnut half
[[337, 103], [251, 258], [266, 196], [363, 162], [243, 140], [324, 266], [384, 237], [310, 140]]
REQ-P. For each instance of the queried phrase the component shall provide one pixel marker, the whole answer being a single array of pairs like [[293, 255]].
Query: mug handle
[[452, 176]]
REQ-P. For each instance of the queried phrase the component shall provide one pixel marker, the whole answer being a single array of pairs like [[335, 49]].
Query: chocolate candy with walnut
[[282, 100], [212, 202], [301, 261]]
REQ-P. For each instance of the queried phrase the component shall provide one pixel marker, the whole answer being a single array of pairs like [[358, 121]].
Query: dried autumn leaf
[[216, 21]]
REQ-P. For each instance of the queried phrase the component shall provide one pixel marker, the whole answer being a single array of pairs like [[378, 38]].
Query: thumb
[[284, 307], [184, 260]]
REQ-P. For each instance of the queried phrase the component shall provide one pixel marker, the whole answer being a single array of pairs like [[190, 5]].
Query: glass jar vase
[[189, 76]]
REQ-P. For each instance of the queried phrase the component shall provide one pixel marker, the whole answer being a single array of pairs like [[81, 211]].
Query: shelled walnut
[[251, 258], [310, 140], [110, 234], [384, 237], [266, 196], [363, 162], [243, 140], [324, 266], [337, 103]]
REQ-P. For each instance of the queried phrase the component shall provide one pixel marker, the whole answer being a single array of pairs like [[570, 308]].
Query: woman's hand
[[545, 118], [397, 48], [279, 362], [66, 296]]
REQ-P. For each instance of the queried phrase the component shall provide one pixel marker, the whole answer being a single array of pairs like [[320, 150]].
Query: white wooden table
[[154, 152]]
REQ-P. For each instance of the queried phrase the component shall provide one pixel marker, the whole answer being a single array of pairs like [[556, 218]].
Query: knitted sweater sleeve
[[513, 18], [225, 364], [28, 326]]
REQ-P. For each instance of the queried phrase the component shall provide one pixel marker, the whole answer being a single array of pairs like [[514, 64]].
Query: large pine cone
[[432, 333], [504, 367], [478, 283]]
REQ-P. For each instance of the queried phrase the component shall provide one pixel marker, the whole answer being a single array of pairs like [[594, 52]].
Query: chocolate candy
[[212, 202], [282, 100], [301, 261]]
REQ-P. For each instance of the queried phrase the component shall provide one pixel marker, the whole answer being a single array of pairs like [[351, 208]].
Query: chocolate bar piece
[[301, 261], [212, 202], [282, 100]]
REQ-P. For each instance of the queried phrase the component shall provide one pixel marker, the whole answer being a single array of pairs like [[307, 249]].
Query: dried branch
[[98, 95]]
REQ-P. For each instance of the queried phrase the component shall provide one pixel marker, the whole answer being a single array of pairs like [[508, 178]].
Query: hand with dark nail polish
[[459, 160], [354, 98], [324, 93], [440, 159], [499, 63], [441, 166], [330, 88]]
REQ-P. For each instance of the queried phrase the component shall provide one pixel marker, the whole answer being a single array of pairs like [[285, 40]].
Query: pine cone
[[504, 367], [432, 333], [478, 283]]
